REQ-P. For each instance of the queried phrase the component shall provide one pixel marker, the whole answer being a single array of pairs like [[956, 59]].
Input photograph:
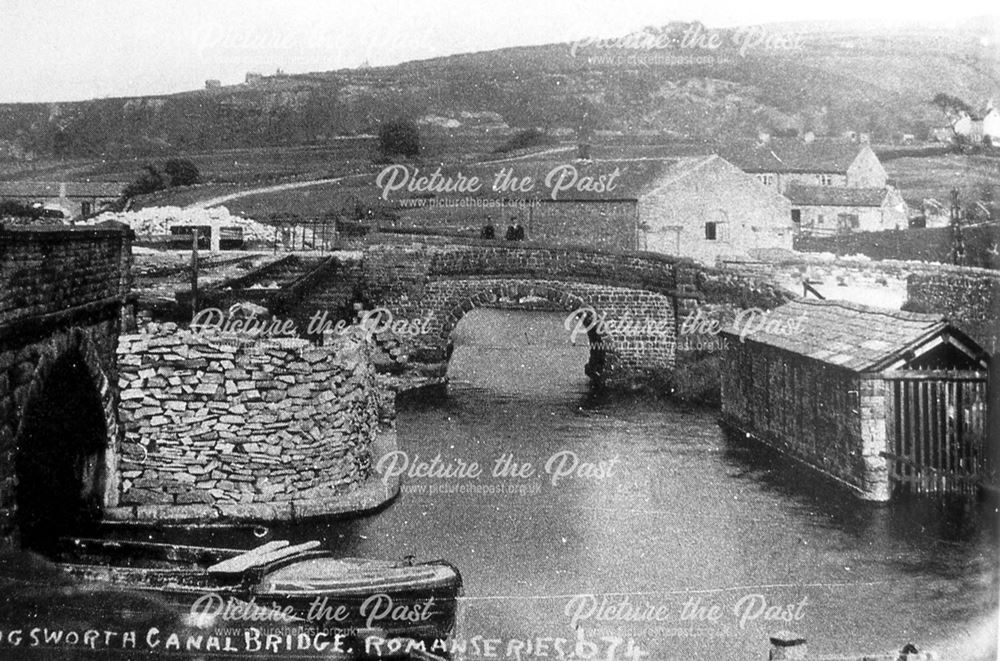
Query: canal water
[[624, 527], [599, 518]]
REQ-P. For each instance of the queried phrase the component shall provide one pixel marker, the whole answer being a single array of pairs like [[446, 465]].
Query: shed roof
[[835, 196], [856, 337]]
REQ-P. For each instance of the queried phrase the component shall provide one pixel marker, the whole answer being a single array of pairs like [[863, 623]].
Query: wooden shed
[[874, 398]]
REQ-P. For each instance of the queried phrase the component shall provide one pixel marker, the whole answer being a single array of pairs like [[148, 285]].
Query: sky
[[64, 50]]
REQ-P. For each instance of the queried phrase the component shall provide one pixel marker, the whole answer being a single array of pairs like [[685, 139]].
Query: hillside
[[836, 80]]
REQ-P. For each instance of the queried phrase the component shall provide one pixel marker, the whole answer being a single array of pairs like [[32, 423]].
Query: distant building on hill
[[75, 198], [212, 84], [979, 127]]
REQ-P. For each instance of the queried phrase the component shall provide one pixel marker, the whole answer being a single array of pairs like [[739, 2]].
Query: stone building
[[872, 398], [74, 198], [706, 208], [834, 185], [699, 206], [831, 210], [781, 162]]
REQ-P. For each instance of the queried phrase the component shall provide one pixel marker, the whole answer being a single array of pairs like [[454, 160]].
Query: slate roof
[[849, 335], [49, 189], [822, 155], [835, 196]]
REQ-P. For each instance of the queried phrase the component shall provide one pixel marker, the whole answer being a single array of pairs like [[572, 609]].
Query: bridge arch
[[481, 295], [634, 335], [65, 443]]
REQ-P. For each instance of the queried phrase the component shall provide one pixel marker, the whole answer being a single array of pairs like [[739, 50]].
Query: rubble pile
[[152, 222]]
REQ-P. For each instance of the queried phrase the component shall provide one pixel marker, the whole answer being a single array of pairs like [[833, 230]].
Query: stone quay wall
[[222, 427]]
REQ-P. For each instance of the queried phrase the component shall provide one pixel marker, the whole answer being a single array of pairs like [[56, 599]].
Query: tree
[[951, 104], [149, 181], [523, 139], [399, 137], [182, 172]]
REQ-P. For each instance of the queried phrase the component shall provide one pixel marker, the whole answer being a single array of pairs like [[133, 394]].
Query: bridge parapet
[[46, 271]]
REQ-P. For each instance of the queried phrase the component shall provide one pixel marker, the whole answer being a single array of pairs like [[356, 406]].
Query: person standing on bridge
[[515, 232], [489, 231]]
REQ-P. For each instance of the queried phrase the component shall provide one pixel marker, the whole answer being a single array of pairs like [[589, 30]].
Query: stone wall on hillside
[[225, 426], [970, 298], [932, 244]]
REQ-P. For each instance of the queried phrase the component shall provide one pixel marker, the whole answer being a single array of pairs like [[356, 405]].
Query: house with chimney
[[833, 184]]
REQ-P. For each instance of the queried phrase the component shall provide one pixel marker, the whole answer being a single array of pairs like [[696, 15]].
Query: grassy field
[[919, 178], [251, 166]]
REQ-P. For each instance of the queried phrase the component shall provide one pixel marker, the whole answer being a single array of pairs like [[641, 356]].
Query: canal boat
[[279, 585]]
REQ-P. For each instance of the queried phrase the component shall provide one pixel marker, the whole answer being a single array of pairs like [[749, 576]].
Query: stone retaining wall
[[970, 298], [224, 427], [932, 244]]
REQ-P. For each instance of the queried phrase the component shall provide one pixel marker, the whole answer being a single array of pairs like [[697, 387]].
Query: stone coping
[[371, 496]]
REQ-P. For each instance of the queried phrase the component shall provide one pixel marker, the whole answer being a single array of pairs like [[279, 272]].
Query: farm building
[[699, 206], [828, 210], [872, 398], [781, 162]]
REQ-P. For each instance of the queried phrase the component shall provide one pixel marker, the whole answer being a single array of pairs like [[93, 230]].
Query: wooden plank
[[251, 558], [935, 375], [918, 433], [926, 440], [904, 430], [891, 428], [960, 428], [937, 439]]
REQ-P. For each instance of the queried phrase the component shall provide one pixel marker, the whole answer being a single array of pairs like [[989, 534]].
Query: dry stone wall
[[225, 426]]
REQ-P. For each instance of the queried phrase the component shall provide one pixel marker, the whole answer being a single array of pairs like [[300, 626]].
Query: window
[[847, 222], [819, 219], [716, 230], [85, 208], [766, 179], [796, 215], [826, 180]]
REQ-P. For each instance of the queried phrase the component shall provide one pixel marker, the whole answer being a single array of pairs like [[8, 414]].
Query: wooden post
[[194, 271]]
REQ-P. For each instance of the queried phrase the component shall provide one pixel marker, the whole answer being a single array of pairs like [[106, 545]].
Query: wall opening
[[60, 457]]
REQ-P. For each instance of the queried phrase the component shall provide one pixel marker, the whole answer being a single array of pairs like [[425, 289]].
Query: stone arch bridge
[[427, 288], [63, 293]]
